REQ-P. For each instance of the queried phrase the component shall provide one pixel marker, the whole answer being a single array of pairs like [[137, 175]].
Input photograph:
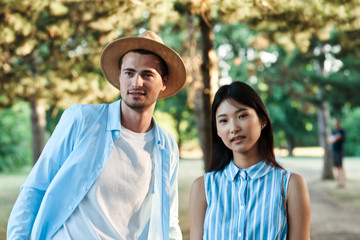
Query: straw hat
[[149, 41]]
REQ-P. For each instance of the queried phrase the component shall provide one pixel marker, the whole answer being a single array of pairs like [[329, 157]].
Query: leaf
[[26, 48], [57, 9]]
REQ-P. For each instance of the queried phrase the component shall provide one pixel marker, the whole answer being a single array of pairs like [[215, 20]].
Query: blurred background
[[302, 57]]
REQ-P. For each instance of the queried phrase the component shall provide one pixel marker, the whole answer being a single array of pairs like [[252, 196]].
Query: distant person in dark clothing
[[337, 140]]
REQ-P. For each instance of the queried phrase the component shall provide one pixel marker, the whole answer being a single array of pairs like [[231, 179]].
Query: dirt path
[[331, 218]]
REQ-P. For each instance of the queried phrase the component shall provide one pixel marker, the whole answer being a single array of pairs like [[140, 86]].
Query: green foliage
[[280, 82], [289, 99], [53, 116], [182, 123], [15, 138], [350, 119], [50, 51]]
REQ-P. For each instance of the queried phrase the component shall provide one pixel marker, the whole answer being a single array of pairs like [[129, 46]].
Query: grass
[[9, 190], [190, 169]]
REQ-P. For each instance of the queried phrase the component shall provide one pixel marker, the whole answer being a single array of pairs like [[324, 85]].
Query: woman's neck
[[246, 160]]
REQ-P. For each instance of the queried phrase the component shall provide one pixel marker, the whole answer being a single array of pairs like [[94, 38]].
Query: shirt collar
[[114, 121], [254, 172]]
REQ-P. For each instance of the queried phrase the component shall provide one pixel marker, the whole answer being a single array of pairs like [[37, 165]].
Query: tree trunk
[[178, 131], [290, 144], [324, 133], [210, 74], [38, 122], [323, 121]]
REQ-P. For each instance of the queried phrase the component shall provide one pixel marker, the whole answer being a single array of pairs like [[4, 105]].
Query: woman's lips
[[237, 139]]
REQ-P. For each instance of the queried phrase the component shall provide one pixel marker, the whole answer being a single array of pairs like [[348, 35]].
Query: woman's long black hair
[[244, 94]]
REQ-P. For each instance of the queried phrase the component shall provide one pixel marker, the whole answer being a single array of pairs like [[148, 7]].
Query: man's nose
[[138, 81]]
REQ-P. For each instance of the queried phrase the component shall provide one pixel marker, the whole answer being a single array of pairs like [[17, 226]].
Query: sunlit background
[[302, 57]]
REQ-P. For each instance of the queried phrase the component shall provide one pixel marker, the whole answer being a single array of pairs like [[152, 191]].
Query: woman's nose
[[234, 128]]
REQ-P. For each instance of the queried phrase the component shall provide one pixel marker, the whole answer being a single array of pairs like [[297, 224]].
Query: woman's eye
[[242, 115]]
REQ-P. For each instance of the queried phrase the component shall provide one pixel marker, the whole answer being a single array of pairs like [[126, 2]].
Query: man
[[337, 149], [109, 171]]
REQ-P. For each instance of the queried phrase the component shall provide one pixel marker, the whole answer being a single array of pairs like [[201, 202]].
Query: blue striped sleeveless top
[[245, 203]]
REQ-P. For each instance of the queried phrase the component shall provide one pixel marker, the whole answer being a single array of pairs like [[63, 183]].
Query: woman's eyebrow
[[241, 110], [237, 111]]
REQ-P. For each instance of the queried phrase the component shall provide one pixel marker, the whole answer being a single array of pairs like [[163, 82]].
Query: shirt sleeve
[[56, 150], [175, 232]]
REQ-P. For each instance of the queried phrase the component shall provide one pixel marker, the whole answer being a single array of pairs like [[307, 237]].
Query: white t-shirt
[[118, 205]]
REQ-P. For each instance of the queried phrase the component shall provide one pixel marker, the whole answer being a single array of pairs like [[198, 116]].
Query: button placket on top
[[235, 205], [243, 183]]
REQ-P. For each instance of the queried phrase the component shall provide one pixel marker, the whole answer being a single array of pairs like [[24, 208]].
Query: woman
[[245, 193]]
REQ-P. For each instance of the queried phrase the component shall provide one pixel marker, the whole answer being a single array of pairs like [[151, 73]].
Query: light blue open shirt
[[71, 162]]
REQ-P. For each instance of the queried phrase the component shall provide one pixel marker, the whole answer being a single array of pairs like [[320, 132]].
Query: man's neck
[[139, 121]]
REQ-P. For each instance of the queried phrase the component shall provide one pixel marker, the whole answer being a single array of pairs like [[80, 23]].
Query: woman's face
[[238, 126]]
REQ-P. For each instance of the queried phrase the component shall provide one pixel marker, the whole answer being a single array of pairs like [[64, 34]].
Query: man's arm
[[335, 138], [175, 232], [24, 213], [27, 205]]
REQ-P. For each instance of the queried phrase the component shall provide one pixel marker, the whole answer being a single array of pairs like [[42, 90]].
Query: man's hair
[[163, 65]]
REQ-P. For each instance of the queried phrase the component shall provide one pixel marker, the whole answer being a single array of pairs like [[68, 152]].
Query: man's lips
[[136, 92]]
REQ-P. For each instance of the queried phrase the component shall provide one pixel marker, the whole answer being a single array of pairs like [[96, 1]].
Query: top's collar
[[256, 171]]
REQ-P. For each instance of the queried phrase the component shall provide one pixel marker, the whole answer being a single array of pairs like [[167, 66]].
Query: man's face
[[140, 80], [337, 124]]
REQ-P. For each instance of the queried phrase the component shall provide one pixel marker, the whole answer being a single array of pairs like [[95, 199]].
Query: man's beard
[[137, 105]]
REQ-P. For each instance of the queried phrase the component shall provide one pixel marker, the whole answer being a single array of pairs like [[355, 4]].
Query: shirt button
[[239, 234], [242, 174], [70, 208], [84, 188], [242, 207]]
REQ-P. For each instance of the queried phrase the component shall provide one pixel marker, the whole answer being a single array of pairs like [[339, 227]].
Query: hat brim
[[115, 50]]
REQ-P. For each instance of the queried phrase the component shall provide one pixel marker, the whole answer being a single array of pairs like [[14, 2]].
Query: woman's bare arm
[[197, 209], [299, 209]]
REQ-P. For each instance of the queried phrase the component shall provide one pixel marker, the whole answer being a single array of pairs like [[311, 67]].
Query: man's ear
[[164, 80]]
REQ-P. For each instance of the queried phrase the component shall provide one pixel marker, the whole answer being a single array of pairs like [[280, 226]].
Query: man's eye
[[148, 75], [128, 73], [242, 115]]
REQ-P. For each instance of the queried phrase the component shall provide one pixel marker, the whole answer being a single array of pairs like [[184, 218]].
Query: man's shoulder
[[165, 133], [89, 107], [166, 136], [87, 111]]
